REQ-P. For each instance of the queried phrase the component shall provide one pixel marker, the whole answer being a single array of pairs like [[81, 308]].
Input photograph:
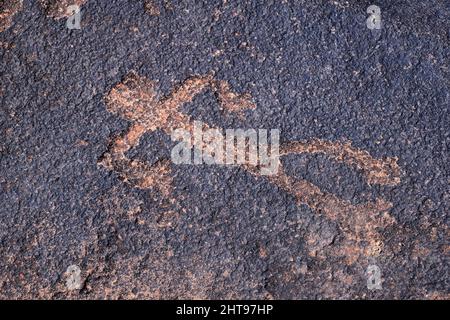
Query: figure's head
[[134, 99]]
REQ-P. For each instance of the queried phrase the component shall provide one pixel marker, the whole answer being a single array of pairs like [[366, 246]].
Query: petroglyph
[[359, 223], [136, 99], [382, 172], [233, 102], [8, 9]]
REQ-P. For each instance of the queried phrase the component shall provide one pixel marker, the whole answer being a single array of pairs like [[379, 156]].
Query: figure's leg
[[377, 171], [360, 223]]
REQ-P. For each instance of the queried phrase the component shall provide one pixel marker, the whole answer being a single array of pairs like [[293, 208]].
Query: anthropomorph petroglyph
[[137, 100]]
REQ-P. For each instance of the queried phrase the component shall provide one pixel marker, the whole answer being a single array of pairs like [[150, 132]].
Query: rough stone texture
[[8, 9], [364, 119], [59, 8]]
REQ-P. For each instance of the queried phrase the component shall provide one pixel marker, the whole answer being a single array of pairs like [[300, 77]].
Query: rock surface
[[364, 121]]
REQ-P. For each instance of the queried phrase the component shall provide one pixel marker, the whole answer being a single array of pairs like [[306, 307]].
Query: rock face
[[93, 207], [53, 8], [8, 9], [59, 8]]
